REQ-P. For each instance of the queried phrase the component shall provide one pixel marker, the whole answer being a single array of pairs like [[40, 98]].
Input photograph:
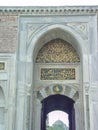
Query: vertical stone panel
[[2, 124], [95, 116]]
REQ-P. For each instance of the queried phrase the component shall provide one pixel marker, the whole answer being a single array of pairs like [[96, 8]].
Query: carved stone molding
[[63, 10], [80, 28], [69, 91], [32, 29]]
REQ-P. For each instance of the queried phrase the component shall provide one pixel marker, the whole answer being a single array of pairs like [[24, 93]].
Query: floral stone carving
[[57, 51]]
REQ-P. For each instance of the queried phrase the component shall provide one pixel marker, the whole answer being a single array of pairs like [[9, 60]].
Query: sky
[[58, 115], [47, 2]]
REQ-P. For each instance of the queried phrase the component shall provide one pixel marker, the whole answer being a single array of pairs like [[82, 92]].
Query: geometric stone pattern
[[58, 74], [49, 10], [57, 51]]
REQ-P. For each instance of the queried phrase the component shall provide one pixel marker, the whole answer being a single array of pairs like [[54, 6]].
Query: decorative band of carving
[[58, 74], [49, 10], [2, 65], [68, 91]]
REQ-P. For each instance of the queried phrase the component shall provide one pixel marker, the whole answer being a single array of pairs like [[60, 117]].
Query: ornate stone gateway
[[56, 62], [48, 51]]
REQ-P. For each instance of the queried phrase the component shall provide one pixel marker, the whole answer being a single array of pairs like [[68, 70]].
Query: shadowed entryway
[[58, 102]]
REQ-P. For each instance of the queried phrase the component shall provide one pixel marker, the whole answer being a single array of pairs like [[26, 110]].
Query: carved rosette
[[57, 88]]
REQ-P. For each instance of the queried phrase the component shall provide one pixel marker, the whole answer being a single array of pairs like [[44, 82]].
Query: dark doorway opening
[[58, 102]]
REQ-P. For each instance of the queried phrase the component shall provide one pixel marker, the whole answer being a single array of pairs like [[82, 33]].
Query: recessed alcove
[[57, 61], [57, 65]]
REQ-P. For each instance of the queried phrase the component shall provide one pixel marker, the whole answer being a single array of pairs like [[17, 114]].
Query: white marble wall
[[76, 31], [8, 91]]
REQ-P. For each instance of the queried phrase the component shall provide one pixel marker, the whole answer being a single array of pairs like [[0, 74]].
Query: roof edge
[[48, 9]]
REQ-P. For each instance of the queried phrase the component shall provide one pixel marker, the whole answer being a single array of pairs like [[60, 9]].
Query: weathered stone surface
[[8, 34], [23, 90]]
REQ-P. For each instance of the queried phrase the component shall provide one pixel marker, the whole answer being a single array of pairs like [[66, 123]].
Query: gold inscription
[[2, 65], [57, 73]]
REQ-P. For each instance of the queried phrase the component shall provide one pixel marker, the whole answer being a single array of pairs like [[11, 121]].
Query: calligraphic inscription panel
[[58, 74], [2, 65]]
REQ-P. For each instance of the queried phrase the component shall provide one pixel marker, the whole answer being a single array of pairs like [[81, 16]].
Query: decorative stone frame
[[8, 87], [28, 103]]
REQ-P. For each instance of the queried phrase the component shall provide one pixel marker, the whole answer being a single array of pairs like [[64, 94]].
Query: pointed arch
[[52, 32]]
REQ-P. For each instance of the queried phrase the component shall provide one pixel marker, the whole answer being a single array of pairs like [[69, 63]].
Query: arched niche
[[57, 62], [2, 107], [55, 31], [57, 35], [55, 56], [31, 79]]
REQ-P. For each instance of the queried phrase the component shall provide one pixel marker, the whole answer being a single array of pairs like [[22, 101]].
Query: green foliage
[[49, 128], [58, 125]]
